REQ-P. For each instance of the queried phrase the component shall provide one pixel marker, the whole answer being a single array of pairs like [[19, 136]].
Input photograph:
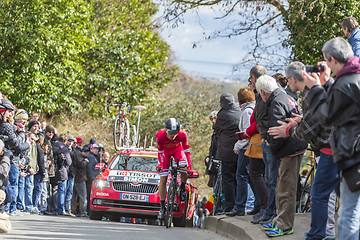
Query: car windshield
[[135, 163]]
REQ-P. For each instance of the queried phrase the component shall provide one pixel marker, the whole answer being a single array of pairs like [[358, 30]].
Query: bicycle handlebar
[[111, 105], [125, 104]]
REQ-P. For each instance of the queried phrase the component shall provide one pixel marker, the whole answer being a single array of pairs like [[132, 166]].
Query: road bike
[[304, 199], [217, 190], [305, 192], [121, 132], [173, 193]]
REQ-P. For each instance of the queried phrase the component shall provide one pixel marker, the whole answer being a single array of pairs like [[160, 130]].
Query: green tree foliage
[[310, 23], [41, 48], [70, 54], [127, 59]]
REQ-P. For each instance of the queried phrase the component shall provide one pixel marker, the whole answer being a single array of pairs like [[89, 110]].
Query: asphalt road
[[61, 227]]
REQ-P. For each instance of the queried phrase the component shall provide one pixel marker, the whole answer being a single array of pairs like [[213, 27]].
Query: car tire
[[113, 218], [189, 223], [182, 221], [95, 215]]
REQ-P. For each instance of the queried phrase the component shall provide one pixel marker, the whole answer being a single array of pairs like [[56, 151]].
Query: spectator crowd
[[261, 141], [49, 173]]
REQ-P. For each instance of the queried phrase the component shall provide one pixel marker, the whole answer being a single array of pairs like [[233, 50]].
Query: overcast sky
[[215, 58]]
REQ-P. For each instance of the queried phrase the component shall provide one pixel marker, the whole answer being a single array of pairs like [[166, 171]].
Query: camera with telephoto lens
[[311, 68]]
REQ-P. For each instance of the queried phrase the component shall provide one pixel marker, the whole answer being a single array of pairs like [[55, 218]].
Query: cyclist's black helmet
[[172, 126], [6, 104]]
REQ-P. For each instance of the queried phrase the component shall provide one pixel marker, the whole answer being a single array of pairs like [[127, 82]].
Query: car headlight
[[101, 183], [98, 201]]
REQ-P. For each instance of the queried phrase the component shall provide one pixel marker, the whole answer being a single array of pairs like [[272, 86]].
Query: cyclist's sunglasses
[[171, 132]]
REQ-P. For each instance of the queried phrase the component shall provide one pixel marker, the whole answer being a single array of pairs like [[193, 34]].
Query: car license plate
[[134, 197]]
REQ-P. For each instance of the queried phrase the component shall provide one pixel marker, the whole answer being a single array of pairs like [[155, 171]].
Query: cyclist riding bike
[[172, 142]]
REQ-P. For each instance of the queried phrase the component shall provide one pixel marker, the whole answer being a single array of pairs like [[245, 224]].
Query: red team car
[[128, 187]]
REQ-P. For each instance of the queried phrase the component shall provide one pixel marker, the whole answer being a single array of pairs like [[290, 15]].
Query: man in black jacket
[[80, 162], [64, 161], [91, 171], [290, 151], [226, 125], [309, 129], [340, 108]]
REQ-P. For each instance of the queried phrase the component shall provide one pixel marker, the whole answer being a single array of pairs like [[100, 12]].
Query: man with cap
[[34, 178], [21, 118], [34, 126], [79, 142], [52, 184], [91, 171], [14, 142]]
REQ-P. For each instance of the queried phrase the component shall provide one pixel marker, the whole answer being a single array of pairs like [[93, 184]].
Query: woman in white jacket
[[246, 98]]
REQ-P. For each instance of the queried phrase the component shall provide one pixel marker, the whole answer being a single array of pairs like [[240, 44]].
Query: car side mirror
[[100, 166], [193, 174]]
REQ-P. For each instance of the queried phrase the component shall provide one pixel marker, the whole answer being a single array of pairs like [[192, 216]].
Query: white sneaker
[[25, 212], [16, 213], [35, 210]]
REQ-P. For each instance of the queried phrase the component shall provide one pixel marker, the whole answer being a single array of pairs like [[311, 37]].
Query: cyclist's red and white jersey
[[177, 148]]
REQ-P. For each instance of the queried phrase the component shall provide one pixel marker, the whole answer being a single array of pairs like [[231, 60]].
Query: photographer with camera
[[15, 142], [307, 128], [340, 107], [17, 165]]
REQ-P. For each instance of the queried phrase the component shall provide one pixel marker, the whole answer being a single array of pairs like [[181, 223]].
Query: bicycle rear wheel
[[121, 133], [126, 133], [217, 195], [170, 198]]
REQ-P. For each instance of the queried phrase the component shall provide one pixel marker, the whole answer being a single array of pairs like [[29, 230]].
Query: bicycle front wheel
[[117, 134], [170, 200], [305, 196]]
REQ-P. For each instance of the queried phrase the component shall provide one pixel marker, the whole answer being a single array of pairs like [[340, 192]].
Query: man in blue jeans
[[64, 161], [71, 143], [243, 180], [271, 173], [339, 107], [308, 129], [21, 118]]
